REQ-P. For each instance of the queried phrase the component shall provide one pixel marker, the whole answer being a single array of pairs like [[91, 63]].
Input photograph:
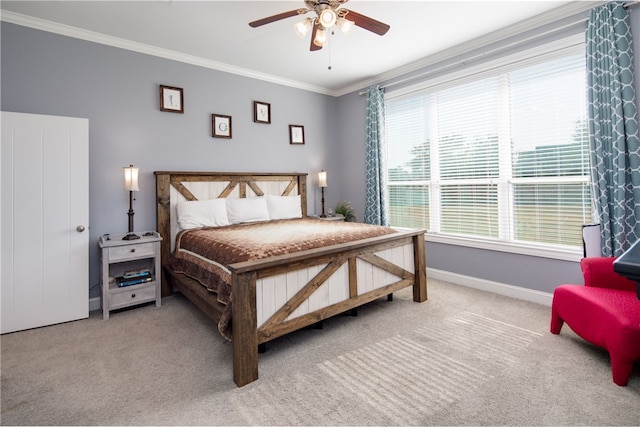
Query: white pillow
[[284, 207], [202, 213], [250, 209]]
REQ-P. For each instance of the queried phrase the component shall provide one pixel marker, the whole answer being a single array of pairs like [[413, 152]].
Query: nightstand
[[123, 264]]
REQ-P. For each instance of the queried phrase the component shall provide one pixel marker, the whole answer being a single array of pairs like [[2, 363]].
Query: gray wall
[[538, 273], [117, 90]]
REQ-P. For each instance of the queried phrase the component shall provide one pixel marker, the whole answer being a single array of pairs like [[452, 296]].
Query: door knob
[[80, 228]]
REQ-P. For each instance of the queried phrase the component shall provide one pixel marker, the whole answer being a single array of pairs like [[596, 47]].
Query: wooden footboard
[[281, 294], [372, 268]]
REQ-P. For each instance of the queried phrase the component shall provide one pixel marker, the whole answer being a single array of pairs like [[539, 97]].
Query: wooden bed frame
[[281, 294]]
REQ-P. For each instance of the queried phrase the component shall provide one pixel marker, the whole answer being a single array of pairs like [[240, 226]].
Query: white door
[[44, 268]]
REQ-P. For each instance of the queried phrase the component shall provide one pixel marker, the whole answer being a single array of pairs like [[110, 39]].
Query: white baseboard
[[94, 304], [525, 294]]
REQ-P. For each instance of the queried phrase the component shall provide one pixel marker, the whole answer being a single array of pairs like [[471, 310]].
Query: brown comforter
[[204, 254]]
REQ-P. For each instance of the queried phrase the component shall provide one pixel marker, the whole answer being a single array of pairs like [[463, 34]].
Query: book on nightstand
[[122, 281], [141, 272]]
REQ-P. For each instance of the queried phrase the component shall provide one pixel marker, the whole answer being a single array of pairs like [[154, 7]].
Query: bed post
[[163, 225], [244, 328], [420, 263], [302, 191]]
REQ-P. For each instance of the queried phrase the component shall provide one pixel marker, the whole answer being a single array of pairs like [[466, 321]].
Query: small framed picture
[[261, 112], [171, 99], [296, 134], [221, 126]]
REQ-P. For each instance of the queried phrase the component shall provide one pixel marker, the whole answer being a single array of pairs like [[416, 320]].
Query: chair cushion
[[608, 318]]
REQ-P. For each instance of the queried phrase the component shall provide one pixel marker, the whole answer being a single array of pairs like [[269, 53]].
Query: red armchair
[[605, 312]]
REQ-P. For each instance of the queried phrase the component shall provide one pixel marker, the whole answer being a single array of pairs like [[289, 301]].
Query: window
[[502, 158]]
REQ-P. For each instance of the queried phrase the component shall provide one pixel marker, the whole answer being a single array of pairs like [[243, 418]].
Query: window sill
[[559, 253]]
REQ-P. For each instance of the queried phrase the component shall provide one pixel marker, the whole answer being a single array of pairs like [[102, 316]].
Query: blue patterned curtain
[[376, 209], [613, 127]]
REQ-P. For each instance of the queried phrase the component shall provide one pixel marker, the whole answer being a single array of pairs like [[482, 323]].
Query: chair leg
[[556, 322], [620, 370]]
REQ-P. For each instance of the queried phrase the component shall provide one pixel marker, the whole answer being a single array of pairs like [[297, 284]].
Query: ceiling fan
[[327, 14]]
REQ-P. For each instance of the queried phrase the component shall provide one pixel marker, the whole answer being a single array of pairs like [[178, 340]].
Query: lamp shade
[[321, 37], [328, 18], [303, 27], [131, 178], [345, 25], [322, 178]]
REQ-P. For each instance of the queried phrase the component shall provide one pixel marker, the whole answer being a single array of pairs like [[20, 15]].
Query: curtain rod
[[630, 4]]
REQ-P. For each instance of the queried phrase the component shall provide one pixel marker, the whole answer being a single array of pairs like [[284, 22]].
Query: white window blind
[[503, 157], [468, 118], [551, 196], [408, 161]]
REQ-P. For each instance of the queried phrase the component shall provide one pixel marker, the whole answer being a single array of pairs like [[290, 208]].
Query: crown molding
[[91, 36], [573, 11]]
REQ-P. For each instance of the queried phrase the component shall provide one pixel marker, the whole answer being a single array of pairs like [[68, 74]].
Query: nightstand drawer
[[133, 296], [131, 251]]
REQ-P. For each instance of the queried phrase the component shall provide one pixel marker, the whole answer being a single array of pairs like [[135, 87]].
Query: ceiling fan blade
[[278, 17], [367, 23], [313, 47]]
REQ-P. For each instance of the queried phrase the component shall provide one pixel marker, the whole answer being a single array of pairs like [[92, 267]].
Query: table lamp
[[131, 185], [322, 182]]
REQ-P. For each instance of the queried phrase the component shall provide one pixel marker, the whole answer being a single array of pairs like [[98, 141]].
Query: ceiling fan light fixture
[[345, 25], [321, 37], [325, 15], [303, 27], [328, 18]]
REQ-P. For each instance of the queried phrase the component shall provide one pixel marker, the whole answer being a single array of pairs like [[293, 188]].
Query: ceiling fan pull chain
[[330, 43]]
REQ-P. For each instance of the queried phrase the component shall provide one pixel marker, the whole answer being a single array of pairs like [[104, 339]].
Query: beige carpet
[[464, 357]]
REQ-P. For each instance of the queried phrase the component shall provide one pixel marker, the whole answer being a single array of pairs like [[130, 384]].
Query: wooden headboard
[[172, 186]]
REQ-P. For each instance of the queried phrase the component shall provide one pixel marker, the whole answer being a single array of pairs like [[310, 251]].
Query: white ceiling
[[216, 34]]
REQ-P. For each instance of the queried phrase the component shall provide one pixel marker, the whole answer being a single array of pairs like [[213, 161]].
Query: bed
[[279, 293]]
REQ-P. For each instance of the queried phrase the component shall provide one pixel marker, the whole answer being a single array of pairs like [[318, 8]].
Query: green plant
[[345, 209]]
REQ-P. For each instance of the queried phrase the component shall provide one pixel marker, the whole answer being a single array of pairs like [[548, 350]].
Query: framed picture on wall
[[171, 99], [261, 112], [296, 134], [221, 126]]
